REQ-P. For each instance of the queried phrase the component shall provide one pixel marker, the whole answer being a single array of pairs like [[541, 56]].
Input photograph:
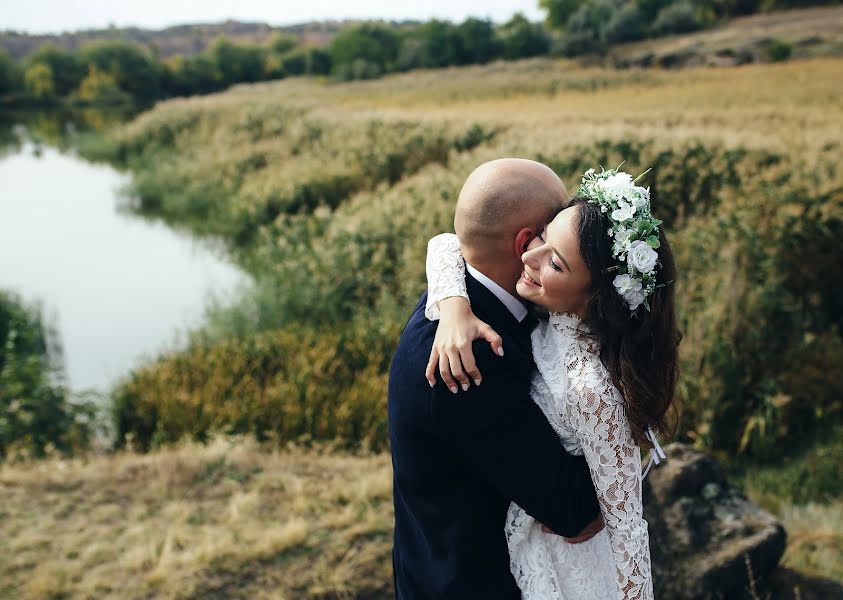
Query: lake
[[117, 287]]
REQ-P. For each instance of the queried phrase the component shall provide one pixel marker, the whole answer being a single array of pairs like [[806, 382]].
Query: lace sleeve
[[445, 272], [596, 410]]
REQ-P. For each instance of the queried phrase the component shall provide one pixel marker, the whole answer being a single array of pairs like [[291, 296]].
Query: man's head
[[503, 204]]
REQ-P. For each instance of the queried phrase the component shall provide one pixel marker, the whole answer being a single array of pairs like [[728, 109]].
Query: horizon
[[50, 17]]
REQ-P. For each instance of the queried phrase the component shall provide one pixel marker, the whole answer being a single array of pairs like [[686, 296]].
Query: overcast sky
[[44, 16]]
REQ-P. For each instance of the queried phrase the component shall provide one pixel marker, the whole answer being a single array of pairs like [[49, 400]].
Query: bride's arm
[[613, 457], [447, 300]]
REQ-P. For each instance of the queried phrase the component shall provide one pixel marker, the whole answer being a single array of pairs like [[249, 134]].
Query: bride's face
[[555, 275]]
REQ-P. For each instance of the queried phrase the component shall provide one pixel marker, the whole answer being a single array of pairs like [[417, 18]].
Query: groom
[[459, 460]]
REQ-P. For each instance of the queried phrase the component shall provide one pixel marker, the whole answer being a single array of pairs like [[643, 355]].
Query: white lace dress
[[579, 399]]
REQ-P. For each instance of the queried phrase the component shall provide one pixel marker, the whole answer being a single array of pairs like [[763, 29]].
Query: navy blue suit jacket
[[459, 460]]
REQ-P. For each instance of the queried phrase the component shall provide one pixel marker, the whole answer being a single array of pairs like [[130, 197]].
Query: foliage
[[35, 414], [100, 88], [364, 50], [132, 68], [559, 11], [677, 18], [66, 70], [328, 193], [521, 39], [38, 82], [10, 74], [778, 50]]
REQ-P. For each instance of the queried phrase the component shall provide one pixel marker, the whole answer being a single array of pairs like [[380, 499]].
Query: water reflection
[[119, 287]]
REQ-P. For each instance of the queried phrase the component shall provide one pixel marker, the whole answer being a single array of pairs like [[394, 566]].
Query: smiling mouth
[[529, 280]]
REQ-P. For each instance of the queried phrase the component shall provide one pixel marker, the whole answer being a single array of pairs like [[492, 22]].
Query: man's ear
[[523, 239]]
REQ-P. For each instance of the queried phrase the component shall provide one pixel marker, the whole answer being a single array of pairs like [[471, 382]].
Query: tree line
[[119, 72]]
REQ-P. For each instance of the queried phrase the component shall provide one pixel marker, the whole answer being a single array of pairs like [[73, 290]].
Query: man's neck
[[511, 301], [502, 276]]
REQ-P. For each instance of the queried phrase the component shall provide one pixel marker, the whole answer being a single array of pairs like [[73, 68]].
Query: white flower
[[640, 197], [618, 185], [623, 213], [634, 299], [642, 256], [610, 232], [626, 284]]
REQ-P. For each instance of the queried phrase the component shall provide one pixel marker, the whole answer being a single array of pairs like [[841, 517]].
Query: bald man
[[459, 460]]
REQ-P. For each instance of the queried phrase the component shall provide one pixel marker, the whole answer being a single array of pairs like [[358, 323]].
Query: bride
[[606, 350]]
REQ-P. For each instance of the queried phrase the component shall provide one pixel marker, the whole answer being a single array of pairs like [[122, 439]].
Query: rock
[[705, 535]]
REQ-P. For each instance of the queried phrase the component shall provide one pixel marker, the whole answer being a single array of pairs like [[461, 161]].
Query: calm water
[[118, 288]]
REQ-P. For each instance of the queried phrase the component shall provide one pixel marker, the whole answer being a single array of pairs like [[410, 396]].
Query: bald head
[[499, 199]]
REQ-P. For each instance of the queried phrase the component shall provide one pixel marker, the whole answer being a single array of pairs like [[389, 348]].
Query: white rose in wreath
[[618, 185], [634, 299], [642, 256], [626, 284], [624, 212]]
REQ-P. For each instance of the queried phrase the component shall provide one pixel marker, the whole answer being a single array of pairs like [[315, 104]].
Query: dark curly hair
[[640, 350]]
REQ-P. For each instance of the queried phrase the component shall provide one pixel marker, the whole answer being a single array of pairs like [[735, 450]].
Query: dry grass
[[223, 520], [235, 520]]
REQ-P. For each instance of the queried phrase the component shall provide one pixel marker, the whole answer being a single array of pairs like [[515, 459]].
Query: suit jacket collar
[[489, 308]]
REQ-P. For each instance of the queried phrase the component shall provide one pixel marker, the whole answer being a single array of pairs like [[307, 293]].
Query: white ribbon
[[656, 454]]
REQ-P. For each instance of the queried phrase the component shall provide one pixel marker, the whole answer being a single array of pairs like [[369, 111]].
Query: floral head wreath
[[634, 229]]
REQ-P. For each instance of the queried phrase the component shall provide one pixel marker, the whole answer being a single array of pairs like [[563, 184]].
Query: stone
[[705, 534]]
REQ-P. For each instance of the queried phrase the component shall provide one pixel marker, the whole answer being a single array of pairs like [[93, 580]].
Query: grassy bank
[[328, 194]]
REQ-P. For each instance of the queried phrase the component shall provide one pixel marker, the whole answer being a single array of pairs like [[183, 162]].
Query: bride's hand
[[451, 352]]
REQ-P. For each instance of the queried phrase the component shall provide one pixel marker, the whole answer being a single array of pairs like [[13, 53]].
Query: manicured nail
[[476, 382], [454, 389], [430, 383], [465, 387], [500, 351]]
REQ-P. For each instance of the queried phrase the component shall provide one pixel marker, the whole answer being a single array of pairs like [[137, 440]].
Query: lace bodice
[[576, 393]]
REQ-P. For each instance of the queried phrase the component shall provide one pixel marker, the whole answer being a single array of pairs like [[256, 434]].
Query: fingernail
[[430, 383], [500, 351], [454, 389], [465, 387], [476, 382]]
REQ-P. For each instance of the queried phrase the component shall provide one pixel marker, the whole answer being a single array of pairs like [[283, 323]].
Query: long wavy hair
[[640, 350]]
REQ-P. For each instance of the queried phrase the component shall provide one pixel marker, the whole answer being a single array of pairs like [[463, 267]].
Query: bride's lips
[[525, 277]]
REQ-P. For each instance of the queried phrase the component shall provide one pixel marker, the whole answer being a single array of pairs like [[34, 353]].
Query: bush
[[35, 414], [778, 50], [626, 25], [676, 18]]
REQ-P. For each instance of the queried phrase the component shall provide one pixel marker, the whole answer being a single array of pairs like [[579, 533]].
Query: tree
[[10, 74], [318, 62], [65, 68], [521, 38], [236, 63], [38, 82], [559, 11], [100, 88], [651, 8], [372, 47], [477, 42], [439, 44], [131, 67], [281, 42]]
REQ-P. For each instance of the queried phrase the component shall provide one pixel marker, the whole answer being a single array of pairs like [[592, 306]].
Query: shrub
[[35, 414], [778, 50], [676, 18]]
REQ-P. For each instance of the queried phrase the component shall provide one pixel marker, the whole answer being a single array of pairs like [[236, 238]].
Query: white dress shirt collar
[[515, 306]]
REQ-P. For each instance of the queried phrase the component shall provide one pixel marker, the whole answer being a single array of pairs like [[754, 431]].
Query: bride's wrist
[[455, 307]]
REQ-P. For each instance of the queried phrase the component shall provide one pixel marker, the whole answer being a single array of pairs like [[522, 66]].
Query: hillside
[[807, 33], [179, 39]]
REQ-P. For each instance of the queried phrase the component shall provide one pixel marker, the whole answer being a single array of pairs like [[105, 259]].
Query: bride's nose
[[530, 257]]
